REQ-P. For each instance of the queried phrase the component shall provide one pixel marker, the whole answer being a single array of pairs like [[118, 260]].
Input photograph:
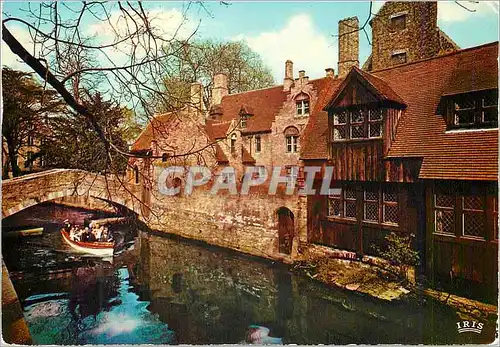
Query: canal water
[[162, 290]]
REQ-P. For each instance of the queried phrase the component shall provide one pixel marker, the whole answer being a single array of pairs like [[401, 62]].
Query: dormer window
[[243, 121], [473, 110], [357, 123], [245, 113], [302, 104]]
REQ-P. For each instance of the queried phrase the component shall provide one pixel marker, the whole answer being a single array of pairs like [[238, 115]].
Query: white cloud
[[450, 11], [10, 59], [167, 24], [299, 41]]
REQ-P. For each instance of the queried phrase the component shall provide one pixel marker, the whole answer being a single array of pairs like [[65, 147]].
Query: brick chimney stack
[[220, 88], [330, 72], [303, 79], [348, 45], [288, 80]]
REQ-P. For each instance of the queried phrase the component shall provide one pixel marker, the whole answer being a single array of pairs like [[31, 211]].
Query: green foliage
[[26, 106], [73, 143], [399, 251], [201, 60]]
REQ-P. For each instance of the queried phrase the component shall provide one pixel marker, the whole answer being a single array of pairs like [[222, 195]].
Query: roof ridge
[[272, 87], [463, 50]]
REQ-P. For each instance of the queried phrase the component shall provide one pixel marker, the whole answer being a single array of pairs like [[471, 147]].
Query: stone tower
[[403, 32], [348, 45]]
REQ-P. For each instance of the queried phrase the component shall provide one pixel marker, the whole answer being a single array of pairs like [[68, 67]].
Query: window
[[292, 172], [357, 124], [233, 143], [390, 211], [164, 157], [335, 205], [302, 107], [398, 57], [398, 22], [228, 177], [292, 139], [302, 104], [350, 204], [243, 121], [30, 140], [371, 205], [469, 211], [258, 144], [291, 144], [474, 216], [380, 205], [473, 110], [444, 214]]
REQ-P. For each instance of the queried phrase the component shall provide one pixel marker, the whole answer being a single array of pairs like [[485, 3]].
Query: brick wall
[[419, 39]]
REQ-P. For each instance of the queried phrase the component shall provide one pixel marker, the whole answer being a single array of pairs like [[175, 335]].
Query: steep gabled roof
[[421, 132], [156, 128], [265, 104], [378, 88]]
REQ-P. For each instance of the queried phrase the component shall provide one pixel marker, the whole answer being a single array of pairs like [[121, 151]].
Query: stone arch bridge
[[22, 192]]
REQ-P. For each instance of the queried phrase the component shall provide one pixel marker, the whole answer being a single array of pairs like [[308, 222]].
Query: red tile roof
[[217, 130], [265, 104], [315, 137], [246, 158], [421, 132], [156, 128], [219, 154]]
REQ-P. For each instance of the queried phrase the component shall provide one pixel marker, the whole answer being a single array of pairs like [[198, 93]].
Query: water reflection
[[162, 290]]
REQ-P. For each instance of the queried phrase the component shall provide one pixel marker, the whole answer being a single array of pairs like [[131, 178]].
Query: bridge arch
[[26, 191]]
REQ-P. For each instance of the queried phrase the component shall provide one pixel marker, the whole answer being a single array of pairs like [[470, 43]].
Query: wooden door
[[285, 230]]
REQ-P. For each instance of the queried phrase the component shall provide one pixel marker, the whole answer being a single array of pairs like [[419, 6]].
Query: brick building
[[412, 139]]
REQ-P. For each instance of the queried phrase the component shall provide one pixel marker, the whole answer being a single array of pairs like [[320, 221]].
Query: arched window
[[136, 174], [233, 143], [302, 104], [292, 139], [164, 157]]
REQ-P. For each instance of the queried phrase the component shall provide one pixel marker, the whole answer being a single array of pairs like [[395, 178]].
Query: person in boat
[[97, 230], [66, 225], [106, 235]]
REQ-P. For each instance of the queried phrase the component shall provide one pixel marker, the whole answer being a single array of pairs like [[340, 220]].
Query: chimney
[[220, 88], [330, 72], [288, 81], [303, 79], [348, 45]]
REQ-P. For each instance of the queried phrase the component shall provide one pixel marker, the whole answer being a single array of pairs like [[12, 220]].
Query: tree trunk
[[16, 171]]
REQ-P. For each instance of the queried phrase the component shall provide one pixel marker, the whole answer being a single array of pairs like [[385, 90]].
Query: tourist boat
[[96, 247]]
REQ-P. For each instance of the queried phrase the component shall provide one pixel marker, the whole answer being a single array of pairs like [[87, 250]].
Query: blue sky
[[300, 31]]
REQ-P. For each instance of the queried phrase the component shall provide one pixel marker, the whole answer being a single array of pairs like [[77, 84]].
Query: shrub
[[399, 252]]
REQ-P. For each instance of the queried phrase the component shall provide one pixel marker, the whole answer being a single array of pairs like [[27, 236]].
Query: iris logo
[[469, 327]]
